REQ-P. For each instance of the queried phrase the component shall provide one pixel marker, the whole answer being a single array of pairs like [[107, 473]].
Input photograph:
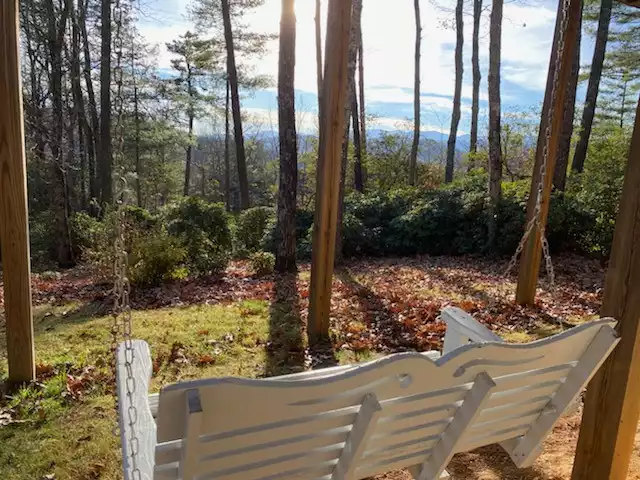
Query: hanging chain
[[122, 316], [536, 219]]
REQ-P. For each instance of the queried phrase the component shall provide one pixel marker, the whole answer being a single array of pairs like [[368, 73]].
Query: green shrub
[[262, 263], [304, 227], [156, 257], [251, 226], [203, 231]]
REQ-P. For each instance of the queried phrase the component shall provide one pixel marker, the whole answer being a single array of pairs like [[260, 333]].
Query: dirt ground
[[492, 463]]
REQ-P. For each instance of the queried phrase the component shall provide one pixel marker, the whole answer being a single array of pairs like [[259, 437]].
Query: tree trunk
[[564, 147], [59, 191], [187, 168], [358, 178], [232, 74], [79, 108], [105, 164], [356, 6], [318, 24], [477, 77], [363, 120], [93, 130], [594, 84], [455, 115], [495, 153], [287, 189], [227, 160], [413, 159], [136, 119]]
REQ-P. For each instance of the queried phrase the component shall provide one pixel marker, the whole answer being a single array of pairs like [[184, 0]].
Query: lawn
[[61, 427]]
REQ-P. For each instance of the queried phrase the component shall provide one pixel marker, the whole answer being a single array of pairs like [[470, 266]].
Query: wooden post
[[531, 255], [612, 405], [334, 95], [14, 226]]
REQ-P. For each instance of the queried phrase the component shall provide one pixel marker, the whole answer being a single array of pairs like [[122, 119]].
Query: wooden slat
[[389, 378], [191, 445], [14, 225], [145, 426], [523, 451], [444, 450], [362, 430], [462, 328]]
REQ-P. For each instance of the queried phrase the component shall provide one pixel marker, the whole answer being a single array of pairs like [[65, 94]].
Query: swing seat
[[407, 410]]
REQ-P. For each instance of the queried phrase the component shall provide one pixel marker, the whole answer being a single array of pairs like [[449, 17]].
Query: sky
[[389, 37]]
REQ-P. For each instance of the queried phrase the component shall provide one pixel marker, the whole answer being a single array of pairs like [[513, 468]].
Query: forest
[[212, 208], [103, 121]]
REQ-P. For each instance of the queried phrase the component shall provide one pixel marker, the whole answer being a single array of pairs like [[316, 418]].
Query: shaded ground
[[245, 326]]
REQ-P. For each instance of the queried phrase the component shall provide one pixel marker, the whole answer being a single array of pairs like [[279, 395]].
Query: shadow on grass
[[287, 346], [51, 319]]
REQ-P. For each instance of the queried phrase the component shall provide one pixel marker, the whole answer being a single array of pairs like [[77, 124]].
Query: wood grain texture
[[14, 226], [612, 406], [334, 95], [531, 254]]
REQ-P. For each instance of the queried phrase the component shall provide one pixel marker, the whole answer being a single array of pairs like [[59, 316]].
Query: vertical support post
[[191, 440], [334, 95], [531, 255], [14, 226], [612, 406]]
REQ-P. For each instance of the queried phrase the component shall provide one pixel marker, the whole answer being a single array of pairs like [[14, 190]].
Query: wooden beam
[[14, 226], [334, 95], [531, 255], [472, 405], [612, 406], [362, 430]]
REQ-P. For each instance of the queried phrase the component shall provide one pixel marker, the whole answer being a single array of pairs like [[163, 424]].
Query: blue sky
[[389, 34]]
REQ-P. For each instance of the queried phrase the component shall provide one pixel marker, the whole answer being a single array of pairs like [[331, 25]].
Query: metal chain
[[122, 316], [536, 219]]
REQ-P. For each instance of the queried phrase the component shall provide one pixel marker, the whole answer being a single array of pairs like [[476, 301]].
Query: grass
[[71, 437], [62, 426]]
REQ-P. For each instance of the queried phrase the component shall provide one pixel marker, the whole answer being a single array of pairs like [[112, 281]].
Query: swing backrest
[[402, 411]]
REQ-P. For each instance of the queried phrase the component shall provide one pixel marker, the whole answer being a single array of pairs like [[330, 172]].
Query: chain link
[[536, 217], [122, 315]]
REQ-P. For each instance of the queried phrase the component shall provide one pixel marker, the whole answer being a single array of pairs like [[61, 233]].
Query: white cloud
[[389, 36]]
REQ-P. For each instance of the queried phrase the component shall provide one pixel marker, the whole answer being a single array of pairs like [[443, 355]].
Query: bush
[[203, 231], [251, 227], [263, 263], [156, 257], [304, 227]]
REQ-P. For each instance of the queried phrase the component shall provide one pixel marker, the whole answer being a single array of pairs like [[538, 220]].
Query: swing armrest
[[462, 329], [144, 428]]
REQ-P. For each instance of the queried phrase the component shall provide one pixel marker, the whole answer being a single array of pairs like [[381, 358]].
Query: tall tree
[[105, 163], [93, 130], [594, 83], [568, 114], [413, 159], [358, 174], [356, 11], [477, 76], [455, 115], [287, 189], [195, 63], [318, 25], [57, 25], [363, 120], [227, 153], [495, 151], [232, 73]]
